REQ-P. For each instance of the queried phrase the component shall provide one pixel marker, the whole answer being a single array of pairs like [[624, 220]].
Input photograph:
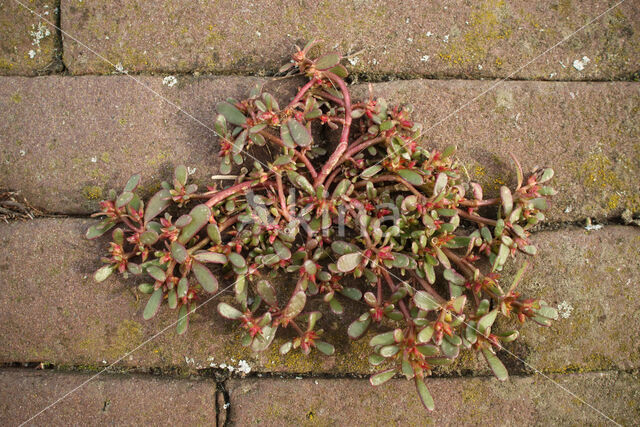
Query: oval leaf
[[299, 133], [423, 392], [213, 257], [205, 277], [382, 377], [179, 252], [411, 176], [157, 204], [349, 262], [199, 218], [228, 311], [424, 301], [231, 113], [153, 304]]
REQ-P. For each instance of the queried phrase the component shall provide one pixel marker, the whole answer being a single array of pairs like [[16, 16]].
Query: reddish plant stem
[[344, 137], [476, 218], [427, 287], [401, 304], [478, 203], [223, 194], [130, 224], [283, 202], [332, 98], [228, 223], [301, 93], [396, 178], [459, 262], [331, 178], [358, 148], [300, 156]]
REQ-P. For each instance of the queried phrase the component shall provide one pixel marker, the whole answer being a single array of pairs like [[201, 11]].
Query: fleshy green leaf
[[157, 204], [153, 304], [200, 217], [423, 392], [180, 174], [411, 176], [382, 377], [486, 321], [424, 301], [205, 277], [299, 133], [371, 171], [183, 320], [349, 262], [213, 257], [295, 305], [99, 229], [382, 339], [351, 293], [179, 252], [157, 273], [358, 328], [231, 113], [495, 364], [328, 60], [237, 260], [183, 287], [228, 311], [325, 347], [267, 292], [103, 273]]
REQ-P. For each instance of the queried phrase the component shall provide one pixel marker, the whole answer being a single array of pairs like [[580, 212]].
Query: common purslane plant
[[372, 217]]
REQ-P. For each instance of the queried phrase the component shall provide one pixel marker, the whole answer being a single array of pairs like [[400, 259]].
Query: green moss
[[128, 335]]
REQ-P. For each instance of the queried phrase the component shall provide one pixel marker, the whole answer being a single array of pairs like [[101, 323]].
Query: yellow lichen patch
[[128, 335], [92, 192], [486, 27]]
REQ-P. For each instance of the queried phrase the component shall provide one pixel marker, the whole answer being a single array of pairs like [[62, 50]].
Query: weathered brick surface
[[29, 45], [52, 311], [105, 400], [471, 39], [459, 401], [66, 141]]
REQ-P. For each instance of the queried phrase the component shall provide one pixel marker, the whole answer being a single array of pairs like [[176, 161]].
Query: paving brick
[[105, 400], [458, 401], [490, 38], [52, 311], [29, 45], [66, 141]]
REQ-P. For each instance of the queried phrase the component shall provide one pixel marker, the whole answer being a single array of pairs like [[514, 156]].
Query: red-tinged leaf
[[385, 338], [153, 304], [179, 252], [132, 183], [199, 218], [237, 260], [382, 377], [425, 334], [99, 229], [423, 392], [157, 204], [205, 277], [172, 299], [124, 199], [149, 237], [212, 257], [299, 133], [327, 61], [228, 311], [183, 221], [267, 292], [486, 321], [180, 174], [295, 305], [411, 176], [183, 320], [183, 287], [495, 364], [351, 293], [262, 341], [157, 273]]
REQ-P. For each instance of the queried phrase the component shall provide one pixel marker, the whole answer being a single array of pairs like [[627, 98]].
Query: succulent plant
[[373, 217]]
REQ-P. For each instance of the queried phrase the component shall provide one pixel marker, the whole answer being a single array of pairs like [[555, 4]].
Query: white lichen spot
[[593, 227], [552, 75], [244, 367], [565, 309], [189, 360], [119, 67], [479, 67], [579, 64], [353, 61], [23, 153], [226, 405], [298, 378], [170, 81], [429, 34], [32, 53], [94, 159], [446, 39], [191, 171], [104, 362], [410, 40], [374, 61], [38, 33], [568, 209], [258, 33], [425, 58]]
